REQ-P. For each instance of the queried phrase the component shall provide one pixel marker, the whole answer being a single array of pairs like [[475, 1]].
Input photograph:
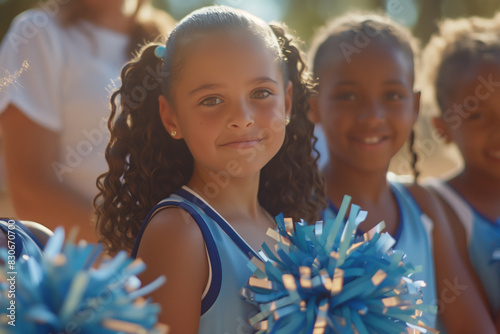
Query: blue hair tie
[[160, 51]]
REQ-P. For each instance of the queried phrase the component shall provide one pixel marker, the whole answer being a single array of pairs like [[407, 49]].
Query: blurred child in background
[[463, 68], [57, 63], [367, 107]]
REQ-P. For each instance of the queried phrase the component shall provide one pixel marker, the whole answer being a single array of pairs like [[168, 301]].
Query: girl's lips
[[369, 140], [242, 143]]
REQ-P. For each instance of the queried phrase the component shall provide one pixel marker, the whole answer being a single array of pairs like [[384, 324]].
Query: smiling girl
[[367, 107], [218, 145], [465, 80]]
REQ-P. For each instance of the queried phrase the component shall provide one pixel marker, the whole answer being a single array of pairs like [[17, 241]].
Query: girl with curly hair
[[367, 106], [222, 141]]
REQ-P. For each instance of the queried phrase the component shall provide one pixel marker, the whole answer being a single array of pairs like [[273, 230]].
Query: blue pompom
[[324, 279], [63, 294]]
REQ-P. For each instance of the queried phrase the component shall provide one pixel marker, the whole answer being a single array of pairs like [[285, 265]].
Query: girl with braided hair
[[367, 106], [222, 141]]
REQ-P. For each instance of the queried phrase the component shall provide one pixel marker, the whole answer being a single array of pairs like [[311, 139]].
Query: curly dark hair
[[459, 45], [352, 29], [146, 164]]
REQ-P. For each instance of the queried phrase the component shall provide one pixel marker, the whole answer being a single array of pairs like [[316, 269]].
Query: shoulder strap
[[18, 245], [461, 208], [223, 224], [30, 234], [414, 207], [19, 231], [213, 254]]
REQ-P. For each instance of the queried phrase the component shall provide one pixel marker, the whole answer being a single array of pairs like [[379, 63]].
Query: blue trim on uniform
[[245, 248], [401, 222], [473, 208], [18, 245], [30, 234], [399, 230], [215, 262]]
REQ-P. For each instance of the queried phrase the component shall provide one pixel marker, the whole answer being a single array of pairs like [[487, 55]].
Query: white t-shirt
[[61, 78]]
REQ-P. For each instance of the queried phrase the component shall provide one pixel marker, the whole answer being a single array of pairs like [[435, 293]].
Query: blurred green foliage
[[9, 9], [305, 16]]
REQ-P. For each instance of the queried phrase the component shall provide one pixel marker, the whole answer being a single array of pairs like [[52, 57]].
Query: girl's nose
[[241, 115], [371, 112]]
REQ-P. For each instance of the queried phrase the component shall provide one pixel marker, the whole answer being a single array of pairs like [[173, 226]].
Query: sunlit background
[[304, 16]]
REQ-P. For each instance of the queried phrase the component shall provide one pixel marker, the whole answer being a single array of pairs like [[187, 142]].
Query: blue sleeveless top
[[223, 310], [414, 237], [483, 239], [22, 243]]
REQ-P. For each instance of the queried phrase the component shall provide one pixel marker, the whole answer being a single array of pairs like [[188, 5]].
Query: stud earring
[[287, 120], [173, 133]]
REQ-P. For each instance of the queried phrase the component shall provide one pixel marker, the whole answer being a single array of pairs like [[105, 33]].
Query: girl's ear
[[289, 99], [168, 118], [313, 109], [441, 129]]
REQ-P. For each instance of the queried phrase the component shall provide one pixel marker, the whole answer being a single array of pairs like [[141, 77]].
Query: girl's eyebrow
[[346, 83], [263, 79], [204, 87], [354, 83], [394, 82], [215, 86]]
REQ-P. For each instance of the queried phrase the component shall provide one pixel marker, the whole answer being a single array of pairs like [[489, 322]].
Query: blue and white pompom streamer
[[324, 279], [64, 294]]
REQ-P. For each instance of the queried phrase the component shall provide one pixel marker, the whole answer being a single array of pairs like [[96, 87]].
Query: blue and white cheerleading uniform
[[414, 237], [223, 310], [483, 239]]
